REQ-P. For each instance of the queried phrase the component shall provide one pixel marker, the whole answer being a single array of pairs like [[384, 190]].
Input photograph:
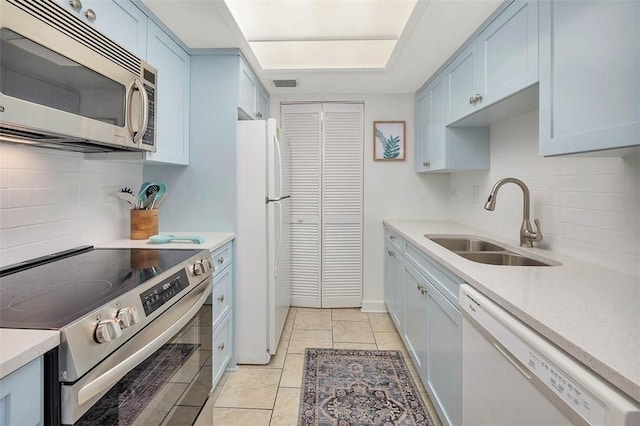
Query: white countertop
[[19, 347], [212, 241], [591, 312]]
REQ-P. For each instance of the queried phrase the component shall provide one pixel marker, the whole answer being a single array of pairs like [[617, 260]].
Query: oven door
[[170, 355]]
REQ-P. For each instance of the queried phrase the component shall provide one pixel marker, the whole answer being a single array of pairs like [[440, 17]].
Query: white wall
[[52, 200], [589, 206], [391, 189]]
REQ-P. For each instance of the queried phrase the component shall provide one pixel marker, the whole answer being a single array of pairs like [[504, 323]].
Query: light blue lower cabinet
[[444, 363], [423, 308], [417, 320], [21, 396], [222, 311]]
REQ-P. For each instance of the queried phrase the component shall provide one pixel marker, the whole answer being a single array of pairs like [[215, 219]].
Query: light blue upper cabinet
[[262, 104], [589, 76], [462, 79], [430, 115], [508, 53], [246, 91], [172, 105], [253, 100], [120, 20], [440, 148], [501, 61]]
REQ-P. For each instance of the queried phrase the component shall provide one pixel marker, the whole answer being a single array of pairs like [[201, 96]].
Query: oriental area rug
[[359, 387]]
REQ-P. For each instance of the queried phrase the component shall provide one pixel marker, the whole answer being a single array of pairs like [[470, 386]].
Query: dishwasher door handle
[[509, 358]]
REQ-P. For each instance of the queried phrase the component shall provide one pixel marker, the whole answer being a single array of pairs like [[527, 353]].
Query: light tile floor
[[270, 394]]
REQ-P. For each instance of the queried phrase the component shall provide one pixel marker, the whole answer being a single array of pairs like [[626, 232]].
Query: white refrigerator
[[262, 261]]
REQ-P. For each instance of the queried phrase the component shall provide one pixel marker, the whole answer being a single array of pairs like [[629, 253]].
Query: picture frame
[[389, 140]]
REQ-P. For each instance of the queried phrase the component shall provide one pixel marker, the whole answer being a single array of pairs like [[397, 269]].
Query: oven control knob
[[128, 316], [107, 330], [199, 268]]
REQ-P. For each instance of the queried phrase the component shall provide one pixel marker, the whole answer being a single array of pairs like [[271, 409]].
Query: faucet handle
[[536, 236]]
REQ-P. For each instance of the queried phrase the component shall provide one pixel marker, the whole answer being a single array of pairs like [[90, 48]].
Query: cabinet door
[[262, 105], [462, 83], [172, 105], [422, 109], [417, 322], [436, 130], [589, 76], [444, 364], [120, 20], [399, 309], [389, 280], [508, 53], [21, 396], [247, 91]]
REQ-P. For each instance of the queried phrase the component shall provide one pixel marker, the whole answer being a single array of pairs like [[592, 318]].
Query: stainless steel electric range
[[115, 308]]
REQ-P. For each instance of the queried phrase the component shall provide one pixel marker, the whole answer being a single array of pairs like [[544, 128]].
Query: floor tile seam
[[241, 408]]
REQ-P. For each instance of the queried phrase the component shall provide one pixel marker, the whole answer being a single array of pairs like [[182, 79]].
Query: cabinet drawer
[[221, 258], [394, 238], [222, 348], [221, 302], [445, 281]]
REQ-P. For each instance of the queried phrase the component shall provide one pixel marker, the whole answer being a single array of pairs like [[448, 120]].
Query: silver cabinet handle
[[472, 100], [221, 347], [392, 237], [477, 98], [220, 260], [423, 290], [75, 5], [221, 298], [91, 15], [426, 164]]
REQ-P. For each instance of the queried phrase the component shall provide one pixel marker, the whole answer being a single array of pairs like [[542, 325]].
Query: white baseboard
[[373, 305]]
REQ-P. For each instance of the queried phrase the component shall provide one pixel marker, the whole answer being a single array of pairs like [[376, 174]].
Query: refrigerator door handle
[[279, 238], [276, 143], [275, 200]]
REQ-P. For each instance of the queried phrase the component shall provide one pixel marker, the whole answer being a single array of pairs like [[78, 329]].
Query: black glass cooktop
[[56, 293]]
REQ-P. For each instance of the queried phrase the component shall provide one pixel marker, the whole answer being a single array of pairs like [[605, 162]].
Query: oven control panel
[[161, 293]]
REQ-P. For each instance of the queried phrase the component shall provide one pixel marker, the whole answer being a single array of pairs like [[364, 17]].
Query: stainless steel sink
[[504, 258], [465, 244], [478, 250]]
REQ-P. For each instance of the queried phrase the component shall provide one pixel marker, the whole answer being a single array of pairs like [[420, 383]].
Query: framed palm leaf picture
[[388, 140]]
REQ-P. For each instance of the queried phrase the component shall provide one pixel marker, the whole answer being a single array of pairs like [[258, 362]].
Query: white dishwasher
[[512, 376]]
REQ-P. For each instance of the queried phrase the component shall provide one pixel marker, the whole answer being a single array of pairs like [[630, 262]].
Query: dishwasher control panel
[[530, 360]]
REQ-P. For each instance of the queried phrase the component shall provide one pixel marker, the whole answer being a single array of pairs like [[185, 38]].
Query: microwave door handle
[[137, 85]]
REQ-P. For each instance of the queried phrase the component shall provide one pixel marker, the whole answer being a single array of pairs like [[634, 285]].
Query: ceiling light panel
[[323, 54], [271, 20]]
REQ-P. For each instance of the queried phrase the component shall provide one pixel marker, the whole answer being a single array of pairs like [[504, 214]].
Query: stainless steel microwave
[[65, 85]]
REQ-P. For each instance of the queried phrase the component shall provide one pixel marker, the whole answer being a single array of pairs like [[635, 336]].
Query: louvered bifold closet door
[[301, 126], [342, 205]]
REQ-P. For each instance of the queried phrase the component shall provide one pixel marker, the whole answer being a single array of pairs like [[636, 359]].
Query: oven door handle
[[106, 380]]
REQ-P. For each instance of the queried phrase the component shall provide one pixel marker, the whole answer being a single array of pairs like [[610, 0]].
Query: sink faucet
[[527, 235]]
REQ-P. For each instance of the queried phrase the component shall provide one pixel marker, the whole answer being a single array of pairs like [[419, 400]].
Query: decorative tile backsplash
[[54, 200], [589, 206]]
